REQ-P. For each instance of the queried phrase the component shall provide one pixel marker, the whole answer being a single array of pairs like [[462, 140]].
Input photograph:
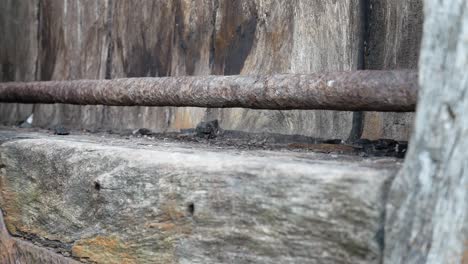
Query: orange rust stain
[[373, 124], [465, 254], [182, 122], [8, 247], [103, 249], [276, 39], [172, 219], [184, 118], [10, 206], [222, 41], [170, 212], [161, 226]]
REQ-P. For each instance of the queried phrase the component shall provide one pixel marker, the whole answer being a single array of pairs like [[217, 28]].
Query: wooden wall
[[395, 32], [89, 39]]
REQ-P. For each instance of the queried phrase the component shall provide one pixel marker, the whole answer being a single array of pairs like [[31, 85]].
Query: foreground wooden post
[[348, 91], [427, 212]]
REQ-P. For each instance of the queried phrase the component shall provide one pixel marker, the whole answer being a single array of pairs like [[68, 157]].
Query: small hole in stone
[[97, 186], [191, 208]]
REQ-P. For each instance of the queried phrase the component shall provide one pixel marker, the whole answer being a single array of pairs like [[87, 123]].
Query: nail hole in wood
[[191, 208]]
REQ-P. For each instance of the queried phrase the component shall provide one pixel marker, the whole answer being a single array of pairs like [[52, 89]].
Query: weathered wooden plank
[[18, 52], [240, 37], [296, 37], [97, 39], [393, 42], [73, 44], [175, 42], [152, 201], [428, 204]]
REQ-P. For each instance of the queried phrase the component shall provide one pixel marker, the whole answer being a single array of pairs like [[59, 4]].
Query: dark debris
[[211, 133], [142, 132], [208, 129], [62, 131]]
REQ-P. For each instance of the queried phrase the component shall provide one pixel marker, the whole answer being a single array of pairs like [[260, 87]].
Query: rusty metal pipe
[[347, 91]]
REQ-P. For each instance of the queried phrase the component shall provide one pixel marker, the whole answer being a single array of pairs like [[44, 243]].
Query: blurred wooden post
[[427, 210]]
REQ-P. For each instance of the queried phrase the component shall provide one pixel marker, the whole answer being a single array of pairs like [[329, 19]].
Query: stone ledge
[[111, 200]]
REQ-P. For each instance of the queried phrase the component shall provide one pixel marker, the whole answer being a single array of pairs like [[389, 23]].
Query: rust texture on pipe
[[346, 91]]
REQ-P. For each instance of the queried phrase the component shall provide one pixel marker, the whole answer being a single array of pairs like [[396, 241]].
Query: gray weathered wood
[[97, 39], [428, 204], [393, 42], [82, 39], [73, 42], [151, 201], [299, 36], [18, 52]]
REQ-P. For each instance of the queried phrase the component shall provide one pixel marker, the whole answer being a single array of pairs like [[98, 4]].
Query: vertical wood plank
[[395, 30], [427, 211], [18, 52], [293, 37], [73, 45]]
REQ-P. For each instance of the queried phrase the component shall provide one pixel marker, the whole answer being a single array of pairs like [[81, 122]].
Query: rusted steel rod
[[347, 91]]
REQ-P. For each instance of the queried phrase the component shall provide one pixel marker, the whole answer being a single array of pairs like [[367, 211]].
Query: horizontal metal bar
[[346, 91]]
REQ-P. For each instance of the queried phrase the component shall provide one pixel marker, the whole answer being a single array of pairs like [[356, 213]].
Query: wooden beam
[[427, 210]]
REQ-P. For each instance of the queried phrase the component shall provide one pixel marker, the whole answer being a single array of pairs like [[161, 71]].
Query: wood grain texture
[[73, 44], [98, 39], [428, 204], [300, 37], [116, 38], [18, 52], [17, 251], [116, 201], [393, 42]]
